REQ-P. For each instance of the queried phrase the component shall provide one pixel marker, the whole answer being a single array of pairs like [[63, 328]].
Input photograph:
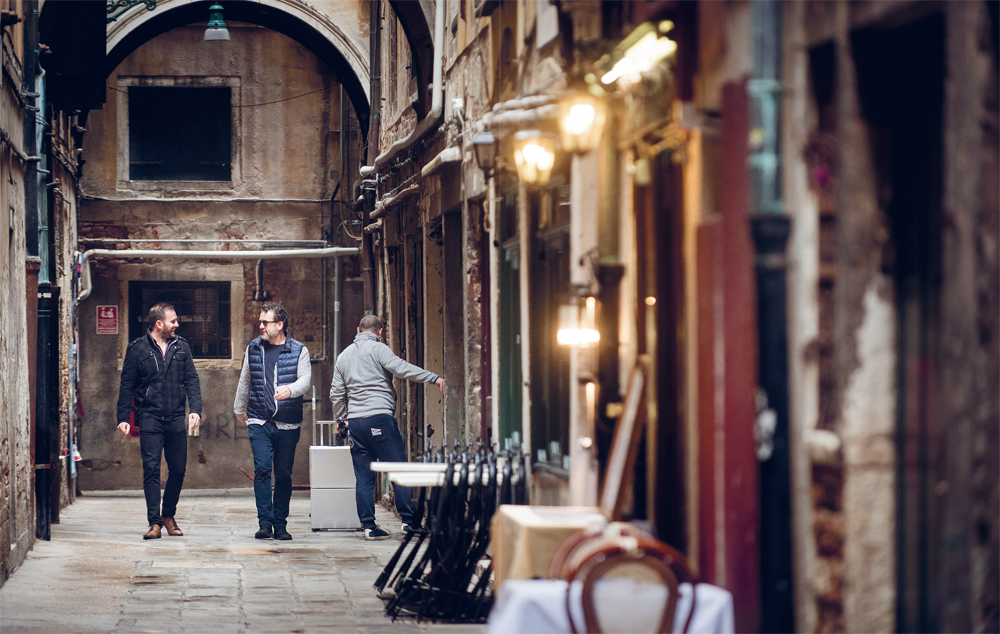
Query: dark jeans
[[170, 439], [275, 446], [377, 437]]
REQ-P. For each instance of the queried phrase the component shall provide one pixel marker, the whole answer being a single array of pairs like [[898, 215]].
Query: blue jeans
[[377, 437], [275, 446]]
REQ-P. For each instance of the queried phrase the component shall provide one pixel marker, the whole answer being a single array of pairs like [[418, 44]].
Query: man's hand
[[282, 393], [440, 383], [243, 418], [124, 428], [194, 420]]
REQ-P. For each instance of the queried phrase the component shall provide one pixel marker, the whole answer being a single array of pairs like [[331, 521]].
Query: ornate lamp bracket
[[118, 7]]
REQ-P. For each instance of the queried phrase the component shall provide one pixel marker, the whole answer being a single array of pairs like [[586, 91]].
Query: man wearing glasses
[[276, 373]]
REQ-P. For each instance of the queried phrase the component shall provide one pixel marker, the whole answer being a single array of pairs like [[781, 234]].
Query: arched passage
[[297, 20]]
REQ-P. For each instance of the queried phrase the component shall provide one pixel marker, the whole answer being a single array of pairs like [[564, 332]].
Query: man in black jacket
[[159, 373]]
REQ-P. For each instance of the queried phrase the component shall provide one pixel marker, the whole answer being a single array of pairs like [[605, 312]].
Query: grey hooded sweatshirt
[[362, 378]]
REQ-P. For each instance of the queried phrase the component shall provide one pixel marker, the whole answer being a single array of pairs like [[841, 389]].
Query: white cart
[[331, 481]]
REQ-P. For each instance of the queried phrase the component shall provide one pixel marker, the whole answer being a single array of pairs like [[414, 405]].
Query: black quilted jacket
[[160, 383]]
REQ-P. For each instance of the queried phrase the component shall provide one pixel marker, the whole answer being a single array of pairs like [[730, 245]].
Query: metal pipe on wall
[[433, 118], [375, 44], [770, 228], [337, 232], [259, 295], [86, 285]]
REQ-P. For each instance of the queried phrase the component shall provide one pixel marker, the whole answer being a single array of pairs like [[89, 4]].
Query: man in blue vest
[[276, 373]]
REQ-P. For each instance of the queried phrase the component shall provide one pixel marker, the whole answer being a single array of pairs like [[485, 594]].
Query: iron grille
[[203, 310]]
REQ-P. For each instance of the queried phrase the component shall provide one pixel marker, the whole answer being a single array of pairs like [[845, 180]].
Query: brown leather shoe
[[172, 528], [153, 532]]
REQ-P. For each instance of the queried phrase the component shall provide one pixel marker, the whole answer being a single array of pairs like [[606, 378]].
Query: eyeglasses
[[265, 323]]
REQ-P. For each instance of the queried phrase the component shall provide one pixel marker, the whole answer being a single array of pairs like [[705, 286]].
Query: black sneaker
[[264, 532], [406, 528], [282, 534], [375, 534]]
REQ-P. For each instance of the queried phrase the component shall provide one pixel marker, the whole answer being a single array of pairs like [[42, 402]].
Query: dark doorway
[[510, 321], [660, 331], [901, 85], [415, 319]]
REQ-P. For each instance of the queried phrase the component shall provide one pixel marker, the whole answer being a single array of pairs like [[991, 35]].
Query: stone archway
[[344, 51]]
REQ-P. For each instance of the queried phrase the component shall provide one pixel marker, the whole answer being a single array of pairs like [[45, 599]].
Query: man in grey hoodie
[[363, 395]]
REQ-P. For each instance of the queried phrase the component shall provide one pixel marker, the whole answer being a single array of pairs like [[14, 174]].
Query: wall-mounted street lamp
[[216, 30], [534, 156], [581, 121], [485, 146], [643, 48], [578, 325]]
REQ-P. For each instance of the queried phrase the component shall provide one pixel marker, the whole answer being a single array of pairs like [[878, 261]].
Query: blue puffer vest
[[261, 400]]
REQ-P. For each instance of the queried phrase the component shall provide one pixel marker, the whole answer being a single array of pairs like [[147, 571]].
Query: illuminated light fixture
[[581, 121], [534, 156], [576, 329], [641, 57], [643, 174], [485, 146], [650, 301], [216, 30]]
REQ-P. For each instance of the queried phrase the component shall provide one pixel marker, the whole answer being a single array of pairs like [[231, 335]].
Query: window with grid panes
[[203, 310]]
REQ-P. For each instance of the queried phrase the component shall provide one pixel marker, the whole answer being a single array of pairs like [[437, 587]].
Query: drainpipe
[[375, 54], [34, 268], [31, 114], [46, 352], [770, 228], [337, 268], [259, 295], [433, 118], [86, 286]]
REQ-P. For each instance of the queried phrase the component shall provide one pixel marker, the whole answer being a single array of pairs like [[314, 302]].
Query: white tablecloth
[[538, 606]]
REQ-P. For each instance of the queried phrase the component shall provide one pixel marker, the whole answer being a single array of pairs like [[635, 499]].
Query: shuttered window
[[180, 133]]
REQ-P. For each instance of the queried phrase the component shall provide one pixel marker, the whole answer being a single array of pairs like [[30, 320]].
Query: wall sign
[[107, 320]]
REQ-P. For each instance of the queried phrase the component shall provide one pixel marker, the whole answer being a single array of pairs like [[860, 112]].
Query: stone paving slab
[[98, 575]]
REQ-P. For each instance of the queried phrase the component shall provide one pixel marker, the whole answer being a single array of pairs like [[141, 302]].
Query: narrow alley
[[688, 297], [98, 575]]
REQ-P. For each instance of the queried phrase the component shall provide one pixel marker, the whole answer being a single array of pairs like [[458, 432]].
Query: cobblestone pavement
[[98, 575]]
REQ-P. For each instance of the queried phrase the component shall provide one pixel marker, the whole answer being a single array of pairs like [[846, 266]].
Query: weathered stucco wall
[[969, 490], [17, 508], [65, 201]]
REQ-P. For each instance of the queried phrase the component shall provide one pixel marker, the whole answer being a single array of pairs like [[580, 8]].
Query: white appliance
[[331, 482]]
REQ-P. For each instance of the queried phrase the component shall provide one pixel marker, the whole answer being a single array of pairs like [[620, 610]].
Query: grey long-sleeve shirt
[[362, 378]]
